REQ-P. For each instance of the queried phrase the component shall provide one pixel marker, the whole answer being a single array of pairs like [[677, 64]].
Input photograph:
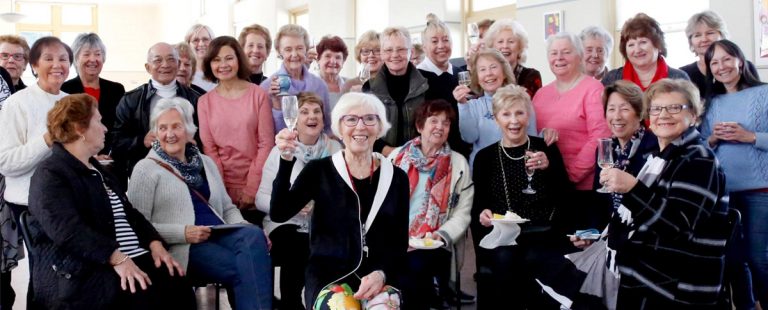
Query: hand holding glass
[[473, 33], [605, 158], [290, 105], [365, 73], [529, 171], [465, 79]]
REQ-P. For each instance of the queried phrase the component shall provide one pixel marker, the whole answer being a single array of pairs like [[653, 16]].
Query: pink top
[[578, 117], [238, 135]]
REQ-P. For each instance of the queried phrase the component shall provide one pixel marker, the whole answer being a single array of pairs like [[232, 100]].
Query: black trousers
[[423, 266], [166, 292], [290, 251]]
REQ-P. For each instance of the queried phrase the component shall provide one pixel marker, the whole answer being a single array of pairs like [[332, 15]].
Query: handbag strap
[[167, 167]]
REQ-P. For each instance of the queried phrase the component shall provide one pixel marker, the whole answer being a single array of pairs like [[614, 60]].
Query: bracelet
[[125, 258]]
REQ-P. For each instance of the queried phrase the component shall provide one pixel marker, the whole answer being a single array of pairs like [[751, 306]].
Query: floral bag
[[340, 297]]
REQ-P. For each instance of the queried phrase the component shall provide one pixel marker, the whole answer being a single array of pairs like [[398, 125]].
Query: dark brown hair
[[431, 108], [630, 92], [642, 25], [310, 97], [333, 44], [70, 114], [37, 50], [213, 51]]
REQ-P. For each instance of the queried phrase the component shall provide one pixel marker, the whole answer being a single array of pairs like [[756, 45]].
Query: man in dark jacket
[[132, 136]]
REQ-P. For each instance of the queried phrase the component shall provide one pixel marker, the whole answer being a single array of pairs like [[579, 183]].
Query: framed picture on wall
[[553, 23], [761, 33]]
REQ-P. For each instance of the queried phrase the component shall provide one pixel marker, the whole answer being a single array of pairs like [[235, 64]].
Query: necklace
[[370, 176], [504, 175], [501, 147], [570, 85]]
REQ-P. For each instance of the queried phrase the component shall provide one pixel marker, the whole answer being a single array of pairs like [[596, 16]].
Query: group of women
[[335, 221]]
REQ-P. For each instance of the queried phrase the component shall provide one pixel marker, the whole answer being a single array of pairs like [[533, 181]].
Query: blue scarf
[[191, 170]]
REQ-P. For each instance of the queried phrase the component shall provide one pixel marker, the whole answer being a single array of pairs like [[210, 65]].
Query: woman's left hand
[[160, 256], [246, 201], [370, 285], [733, 132], [537, 160], [617, 181]]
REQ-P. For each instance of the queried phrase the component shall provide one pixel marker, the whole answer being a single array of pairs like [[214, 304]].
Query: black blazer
[[111, 92], [74, 233]]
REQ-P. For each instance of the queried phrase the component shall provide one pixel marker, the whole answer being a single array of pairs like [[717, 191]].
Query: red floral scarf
[[432, 213]]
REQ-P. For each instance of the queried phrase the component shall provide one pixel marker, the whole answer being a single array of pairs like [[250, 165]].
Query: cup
[[284, 81]]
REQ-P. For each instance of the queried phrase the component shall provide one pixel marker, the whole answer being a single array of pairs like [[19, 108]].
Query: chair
[[734, 224], [217, 287]]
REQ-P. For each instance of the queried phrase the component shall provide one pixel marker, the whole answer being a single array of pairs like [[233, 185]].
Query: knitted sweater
[[746, 165], [22, 147], [165, 201]]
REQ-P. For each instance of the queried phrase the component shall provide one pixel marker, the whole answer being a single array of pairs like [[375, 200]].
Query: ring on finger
[[538, 162]]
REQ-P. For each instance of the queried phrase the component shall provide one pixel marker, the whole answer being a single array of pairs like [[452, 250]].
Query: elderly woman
[[187, 66], [673, 209], [500, 177], [256, 43], [703, 29], [199, 36], [18, 55], [90, 54], [333, 53], [739, 138], [643, 47], [400, 86], [181, 192], [511, 39], [359, 227], [569, 112], [476, 121], [100, 253], [235, 121], [441, 198], [291, 45], [368, 54], [417, 56], [598, 44], [26, 140], [290, 240]]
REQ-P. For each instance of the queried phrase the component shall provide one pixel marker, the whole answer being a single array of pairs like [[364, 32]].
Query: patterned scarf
[[432, 213], [305, 153], [622, 155], [190, 170]]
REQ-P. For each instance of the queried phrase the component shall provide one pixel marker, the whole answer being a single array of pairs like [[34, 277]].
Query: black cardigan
[[335, 236], [110, 95], [75, 233]]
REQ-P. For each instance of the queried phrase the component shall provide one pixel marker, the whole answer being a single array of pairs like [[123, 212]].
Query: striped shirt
[[124, 234]]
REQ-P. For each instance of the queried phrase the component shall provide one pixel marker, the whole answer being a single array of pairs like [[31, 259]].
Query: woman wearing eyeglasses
[[358, 226], [673, 258]]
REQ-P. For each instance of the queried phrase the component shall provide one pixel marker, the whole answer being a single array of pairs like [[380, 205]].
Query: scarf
[[305, 153], [622, 155], [164, 91], [191, 170], [662, 71], [433, 212]]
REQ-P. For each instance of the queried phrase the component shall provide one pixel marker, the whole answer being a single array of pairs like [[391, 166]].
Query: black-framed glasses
[[16, 56], [368, 52], [351, 120], [671, 109]]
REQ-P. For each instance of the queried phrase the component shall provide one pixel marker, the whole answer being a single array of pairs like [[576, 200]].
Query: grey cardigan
[[166, 202]]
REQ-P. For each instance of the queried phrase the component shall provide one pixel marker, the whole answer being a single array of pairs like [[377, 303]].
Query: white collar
[[428, 65], [385, 180], [165, 91]]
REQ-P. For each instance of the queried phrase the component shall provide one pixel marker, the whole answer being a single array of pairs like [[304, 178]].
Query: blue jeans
[[239, 259], [754, 217]]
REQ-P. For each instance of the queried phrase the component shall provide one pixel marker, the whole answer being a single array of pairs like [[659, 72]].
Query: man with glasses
[[132, 136], [400, 86], [14, 56]]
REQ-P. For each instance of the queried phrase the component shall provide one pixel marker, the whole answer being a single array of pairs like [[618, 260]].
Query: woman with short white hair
[[511, 39], [598, 44], [359, 223]]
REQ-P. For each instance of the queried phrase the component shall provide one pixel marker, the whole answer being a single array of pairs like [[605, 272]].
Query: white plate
[[587, 236], [106, 162], [510, 221], [419, 244]]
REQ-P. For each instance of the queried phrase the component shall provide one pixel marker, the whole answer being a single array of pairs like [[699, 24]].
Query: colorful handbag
[[340, 297]]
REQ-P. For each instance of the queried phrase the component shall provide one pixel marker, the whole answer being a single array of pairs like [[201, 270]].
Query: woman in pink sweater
[[236, 124], [569, 112]]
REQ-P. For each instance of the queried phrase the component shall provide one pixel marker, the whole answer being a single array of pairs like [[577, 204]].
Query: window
[[482, 5], [300, 16], [672, 16]]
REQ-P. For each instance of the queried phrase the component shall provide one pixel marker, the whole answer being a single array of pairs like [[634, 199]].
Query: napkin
[[503, 234]]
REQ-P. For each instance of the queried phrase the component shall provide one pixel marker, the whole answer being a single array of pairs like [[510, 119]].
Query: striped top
[[124, 234]]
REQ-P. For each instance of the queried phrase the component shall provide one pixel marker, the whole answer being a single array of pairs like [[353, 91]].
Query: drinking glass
[[365, 73], [284, 81], [473, 33], [290, 106], [305, 216], [529, 171], [604, 158], [465, 79]]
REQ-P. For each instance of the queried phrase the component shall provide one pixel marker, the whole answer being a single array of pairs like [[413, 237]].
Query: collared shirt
[[428, 65]]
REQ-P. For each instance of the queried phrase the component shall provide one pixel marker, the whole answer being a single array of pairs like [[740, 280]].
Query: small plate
[[419, 244], [106, 162], [510, 221], [586, 236]]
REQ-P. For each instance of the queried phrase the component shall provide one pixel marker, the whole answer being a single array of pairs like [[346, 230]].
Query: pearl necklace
[[501, 147]]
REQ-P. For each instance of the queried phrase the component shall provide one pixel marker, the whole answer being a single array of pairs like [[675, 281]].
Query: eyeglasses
[[671, 109], [368, 52], [16, 57], [352, 120]]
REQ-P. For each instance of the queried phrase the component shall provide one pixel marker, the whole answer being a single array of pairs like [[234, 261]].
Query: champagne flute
[[473, 33], [290, 105], [604, 158], [465, 79], [365, 73], [529, 171], [305, 216]]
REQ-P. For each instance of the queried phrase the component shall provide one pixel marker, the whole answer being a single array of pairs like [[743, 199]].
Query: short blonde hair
[[257, 30], [398, 31], [195, 29], [709, 18], [291, 30], [434, 24], [350, 101], [684, 87], [509, 77], [185, 50], [369, 37], [510, 95], [516, 28]]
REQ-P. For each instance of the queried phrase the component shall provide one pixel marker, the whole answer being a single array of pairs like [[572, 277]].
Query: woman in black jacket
[[91, 249], [359, 223]]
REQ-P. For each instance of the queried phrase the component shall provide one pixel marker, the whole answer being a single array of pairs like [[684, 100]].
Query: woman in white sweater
[[180, 191]]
